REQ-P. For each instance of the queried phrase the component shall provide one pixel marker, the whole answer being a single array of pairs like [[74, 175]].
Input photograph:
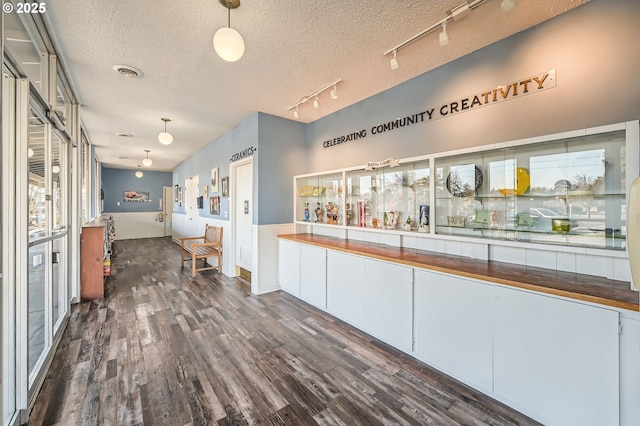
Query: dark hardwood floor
[[163, 348]]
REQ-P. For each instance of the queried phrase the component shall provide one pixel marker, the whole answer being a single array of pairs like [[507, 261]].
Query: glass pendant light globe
[[147, 162], [165, 138], [55, 169], [139, 174], [228, 44]]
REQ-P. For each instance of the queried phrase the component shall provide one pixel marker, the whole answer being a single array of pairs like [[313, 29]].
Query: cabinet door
[[289, 267], [454, 326], [557, 360], [313, 275], [345, 287], [388, 303]]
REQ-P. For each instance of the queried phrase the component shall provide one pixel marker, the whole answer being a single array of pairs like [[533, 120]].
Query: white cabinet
[[454, 326], [556, 359], [345, 285], [289, 267], [388, 303], [313, 275]]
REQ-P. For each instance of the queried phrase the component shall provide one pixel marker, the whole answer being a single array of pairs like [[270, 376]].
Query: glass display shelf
[[320, 198], [569, 192], [391, 198]]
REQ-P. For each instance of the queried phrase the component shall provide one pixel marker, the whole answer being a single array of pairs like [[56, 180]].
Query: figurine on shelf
[[348, 215], [407, 224], [393, 220], [307, 215], [362, 213], [385, 220], [319, 213], [332, 213], [375, 222], [424, 219]]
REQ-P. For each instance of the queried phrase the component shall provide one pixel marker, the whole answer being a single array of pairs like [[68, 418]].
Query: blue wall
[[116, 181], [280, 156]]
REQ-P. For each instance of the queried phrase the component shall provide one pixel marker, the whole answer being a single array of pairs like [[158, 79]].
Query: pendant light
[[139, 173], [165, 137], [147, 161], [227, 42]]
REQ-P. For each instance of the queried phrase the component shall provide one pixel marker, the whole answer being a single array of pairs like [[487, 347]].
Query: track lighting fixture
[[509, 6], [455, 14], [444, 37], [394, 61], [139, 173], [316, 102], [165, 137], [228, 42], [147, 161]]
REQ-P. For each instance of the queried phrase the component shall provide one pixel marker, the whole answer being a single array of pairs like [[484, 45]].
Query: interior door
[[244, 216], [191, 206], [167, 209]]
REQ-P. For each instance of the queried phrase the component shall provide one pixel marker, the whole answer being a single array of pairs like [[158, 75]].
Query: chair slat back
[[213, 234]]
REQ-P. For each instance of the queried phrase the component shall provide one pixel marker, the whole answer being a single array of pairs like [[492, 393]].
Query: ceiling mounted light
[[147, 161], [455, 14], [444, 37], [509, 6], [316, 103], [227, 42], [334, 92], [55, 169], [165, 137], [139, 173], [394, 61]]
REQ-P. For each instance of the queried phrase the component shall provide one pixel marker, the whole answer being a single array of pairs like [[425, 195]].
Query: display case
[[392, 197], [320, 198], [569, 191], [566, 189]]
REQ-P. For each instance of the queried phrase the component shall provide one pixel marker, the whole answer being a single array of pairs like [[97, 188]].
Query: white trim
[[233, 213]]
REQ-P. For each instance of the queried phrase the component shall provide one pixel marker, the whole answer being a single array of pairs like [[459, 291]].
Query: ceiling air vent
[[128, 71]]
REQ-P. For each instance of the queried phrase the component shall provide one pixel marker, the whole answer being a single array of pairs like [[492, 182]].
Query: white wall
[[130, 226]]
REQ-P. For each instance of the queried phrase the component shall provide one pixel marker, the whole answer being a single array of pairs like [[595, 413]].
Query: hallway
[[163, 348]]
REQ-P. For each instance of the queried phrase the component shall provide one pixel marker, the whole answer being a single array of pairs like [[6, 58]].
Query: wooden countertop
[[582, 287]]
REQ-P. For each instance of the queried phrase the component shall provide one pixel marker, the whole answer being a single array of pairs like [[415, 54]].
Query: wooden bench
[[211, 246]]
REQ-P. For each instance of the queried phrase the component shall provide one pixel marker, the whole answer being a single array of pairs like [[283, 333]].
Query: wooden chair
[[211, 246]]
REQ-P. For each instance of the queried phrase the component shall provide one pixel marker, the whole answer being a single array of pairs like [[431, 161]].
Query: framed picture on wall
[[214, 205], [225, 186], [180, 196], [176, 190], [214, 180], [206, 191]]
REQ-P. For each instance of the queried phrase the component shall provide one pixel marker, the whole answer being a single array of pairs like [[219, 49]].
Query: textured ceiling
[[292, 49]]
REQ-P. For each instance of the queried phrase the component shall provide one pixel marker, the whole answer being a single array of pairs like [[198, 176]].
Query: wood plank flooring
[[163, 348]]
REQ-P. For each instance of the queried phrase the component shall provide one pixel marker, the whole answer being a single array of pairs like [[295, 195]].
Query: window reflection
[[36, 159]]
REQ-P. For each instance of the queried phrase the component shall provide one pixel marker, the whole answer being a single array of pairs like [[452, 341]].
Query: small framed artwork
[[214, 180], [225, 186], [199, 201], [214, 205], [206, 191], [176, 188], [180, 196]]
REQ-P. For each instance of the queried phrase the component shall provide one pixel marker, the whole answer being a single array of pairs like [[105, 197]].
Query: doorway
[[191, 193], [242, 202]]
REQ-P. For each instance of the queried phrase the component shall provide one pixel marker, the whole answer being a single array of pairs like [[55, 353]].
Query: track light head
[[394, 61], [316, 104], [508, 6], [444, 37], [296, 114], [334, 92]]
